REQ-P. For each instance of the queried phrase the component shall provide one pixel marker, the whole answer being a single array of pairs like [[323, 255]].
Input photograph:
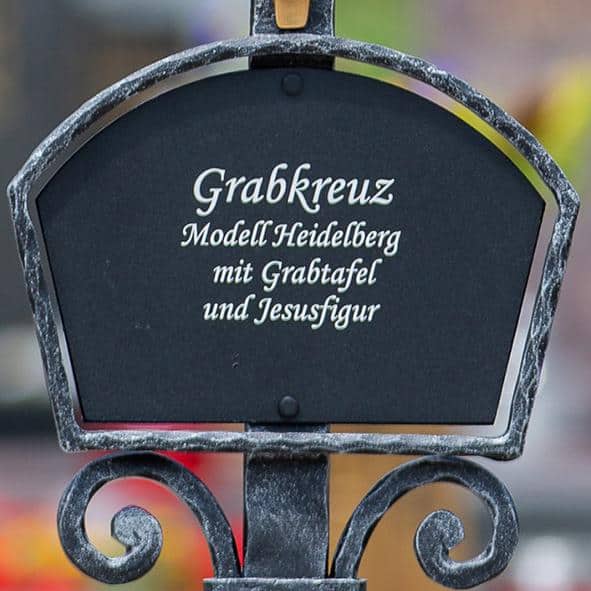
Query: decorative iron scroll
[[441, 531], [134, 527], [140, 533]]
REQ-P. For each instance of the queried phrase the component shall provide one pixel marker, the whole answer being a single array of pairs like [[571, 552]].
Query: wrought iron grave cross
[[286, 247]]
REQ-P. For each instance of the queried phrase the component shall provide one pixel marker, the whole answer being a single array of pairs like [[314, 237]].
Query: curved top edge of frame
[[259, 45]]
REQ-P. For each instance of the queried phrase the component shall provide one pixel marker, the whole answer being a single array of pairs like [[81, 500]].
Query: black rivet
[[292, 84], [289, 407]]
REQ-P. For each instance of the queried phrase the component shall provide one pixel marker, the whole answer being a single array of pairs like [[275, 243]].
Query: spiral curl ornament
[[135, 528], [441, 531]]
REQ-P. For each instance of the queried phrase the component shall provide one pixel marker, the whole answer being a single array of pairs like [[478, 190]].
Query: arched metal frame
[[73, 437]]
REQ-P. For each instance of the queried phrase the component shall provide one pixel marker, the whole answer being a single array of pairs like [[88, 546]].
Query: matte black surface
[[131, 298]]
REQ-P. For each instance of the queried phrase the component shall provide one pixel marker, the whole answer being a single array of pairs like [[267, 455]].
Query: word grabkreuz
[[214, 188]]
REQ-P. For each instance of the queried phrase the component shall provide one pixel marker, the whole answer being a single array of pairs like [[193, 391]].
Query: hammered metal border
[[73, 437]]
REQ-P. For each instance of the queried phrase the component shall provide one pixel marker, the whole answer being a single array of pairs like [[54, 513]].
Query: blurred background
[[531, 56]]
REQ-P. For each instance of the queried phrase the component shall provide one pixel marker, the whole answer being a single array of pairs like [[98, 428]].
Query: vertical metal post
[[264, 21], [286, 497], [286, 514], [321, 21]]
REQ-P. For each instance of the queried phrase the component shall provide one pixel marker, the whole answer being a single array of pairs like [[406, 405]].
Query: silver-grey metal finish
[[441, 531], [286, 515], [135, 528], [74, 437]]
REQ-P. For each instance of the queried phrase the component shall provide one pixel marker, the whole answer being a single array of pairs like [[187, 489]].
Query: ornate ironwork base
[[287, 523]]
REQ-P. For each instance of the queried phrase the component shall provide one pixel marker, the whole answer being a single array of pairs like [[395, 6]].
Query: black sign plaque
[[289, 233]]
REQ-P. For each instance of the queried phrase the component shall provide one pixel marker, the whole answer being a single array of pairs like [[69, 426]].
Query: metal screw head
[[292, 84], [288, 407]]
